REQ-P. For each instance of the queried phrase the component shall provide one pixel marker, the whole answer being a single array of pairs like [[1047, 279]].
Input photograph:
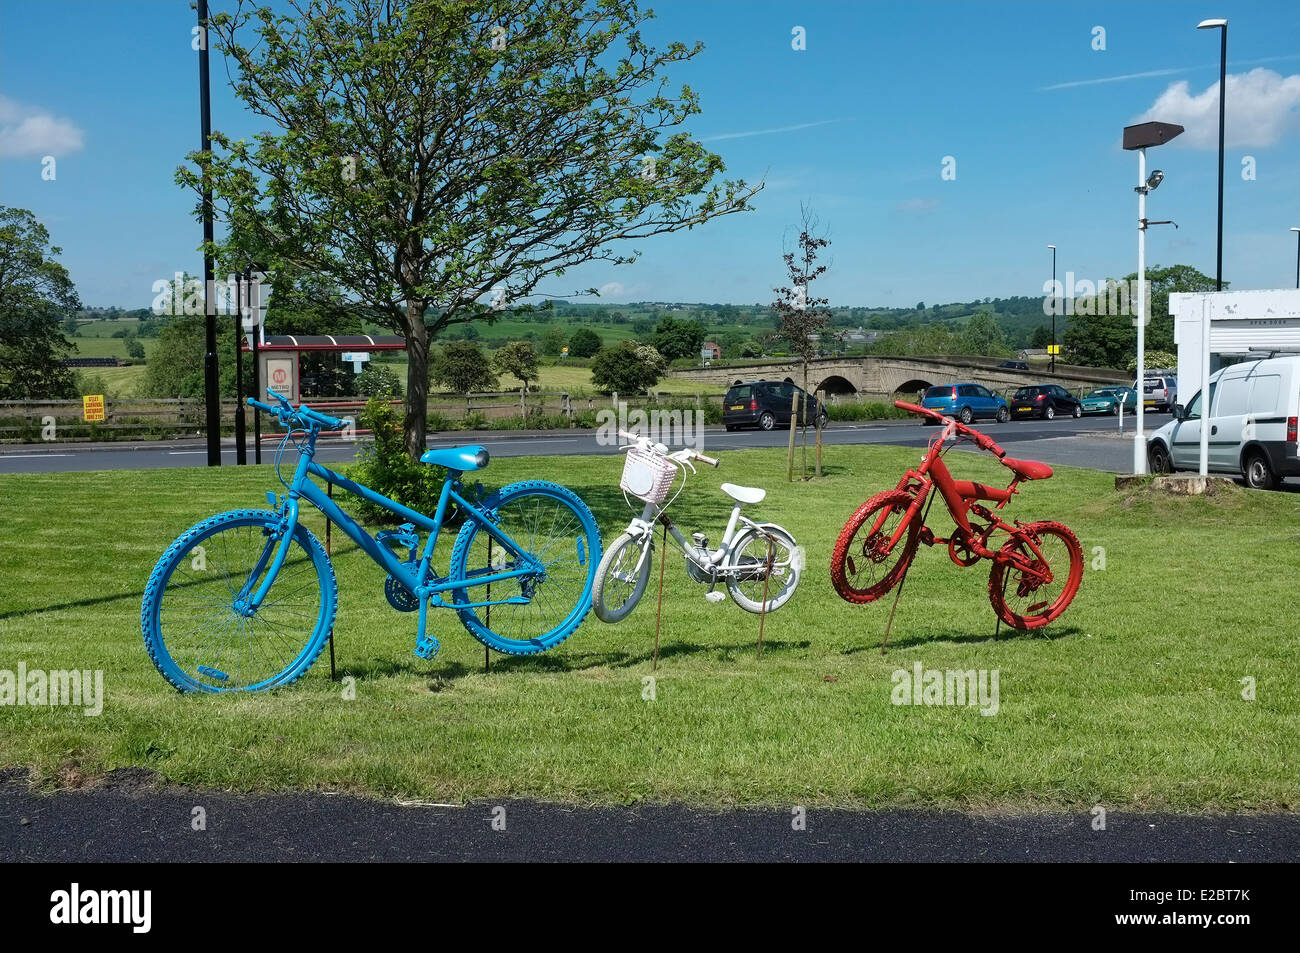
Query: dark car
[[767, 405], [1014, 365], [966, 402], [1045, 400]]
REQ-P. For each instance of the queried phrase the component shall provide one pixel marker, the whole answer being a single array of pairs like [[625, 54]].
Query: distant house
[[710, 351]]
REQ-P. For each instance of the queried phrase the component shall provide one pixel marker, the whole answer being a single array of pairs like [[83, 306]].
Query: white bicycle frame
[[643, 527]]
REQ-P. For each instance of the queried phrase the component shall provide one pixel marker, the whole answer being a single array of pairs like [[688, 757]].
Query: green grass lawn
[[1133, 698]]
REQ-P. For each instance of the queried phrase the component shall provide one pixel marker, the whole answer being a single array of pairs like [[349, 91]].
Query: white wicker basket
[[647, 475]]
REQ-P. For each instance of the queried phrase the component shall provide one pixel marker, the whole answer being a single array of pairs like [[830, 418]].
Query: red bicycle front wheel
[[864, 566], [1034, 589]]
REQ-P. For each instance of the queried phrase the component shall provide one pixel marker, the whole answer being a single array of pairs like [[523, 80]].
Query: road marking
[[32, 456]]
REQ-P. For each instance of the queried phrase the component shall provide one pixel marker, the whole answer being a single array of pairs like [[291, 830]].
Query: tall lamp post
[[1222, 25], [1138, 138], [1051, 351], [211, 379], [1297, 255]]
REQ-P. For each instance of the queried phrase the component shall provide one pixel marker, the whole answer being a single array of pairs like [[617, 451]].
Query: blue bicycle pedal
[[426, 647]]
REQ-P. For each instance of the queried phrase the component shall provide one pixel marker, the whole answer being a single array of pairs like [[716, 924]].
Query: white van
[[1253, 411]]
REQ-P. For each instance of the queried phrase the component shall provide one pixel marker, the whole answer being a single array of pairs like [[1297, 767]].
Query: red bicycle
[[1036, 571]]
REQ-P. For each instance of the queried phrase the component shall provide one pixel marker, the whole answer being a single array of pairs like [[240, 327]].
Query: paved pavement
[[130, 819], [1090, 442]]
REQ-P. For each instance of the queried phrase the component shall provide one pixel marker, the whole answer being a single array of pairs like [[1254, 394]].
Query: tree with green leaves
[[36, 298], [676, 338], [983, 336], [518, 359], [627, 368], [438, 160], [553, 342], [462, 368], [584, 343], [1108, 340]]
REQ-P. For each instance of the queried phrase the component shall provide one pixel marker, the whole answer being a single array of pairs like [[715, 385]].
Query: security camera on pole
[[1138, 138]]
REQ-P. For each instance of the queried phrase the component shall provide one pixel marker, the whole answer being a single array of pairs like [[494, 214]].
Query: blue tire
[[552, 523], [192, 630]]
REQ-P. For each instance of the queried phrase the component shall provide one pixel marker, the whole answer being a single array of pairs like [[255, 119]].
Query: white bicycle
[[759, 562]]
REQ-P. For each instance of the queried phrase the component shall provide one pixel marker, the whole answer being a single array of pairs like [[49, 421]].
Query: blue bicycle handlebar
[[287, 413]]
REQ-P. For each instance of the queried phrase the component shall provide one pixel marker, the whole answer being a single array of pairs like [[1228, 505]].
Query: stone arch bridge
[[884, 376]]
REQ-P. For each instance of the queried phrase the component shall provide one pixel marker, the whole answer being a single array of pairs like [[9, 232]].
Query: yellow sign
[[92, 407], [1053, 349]]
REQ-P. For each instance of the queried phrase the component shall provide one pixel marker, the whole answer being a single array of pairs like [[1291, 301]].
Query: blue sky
[[1013, 91]]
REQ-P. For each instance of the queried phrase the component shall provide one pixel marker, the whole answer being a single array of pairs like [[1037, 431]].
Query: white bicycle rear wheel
[[747, 568]]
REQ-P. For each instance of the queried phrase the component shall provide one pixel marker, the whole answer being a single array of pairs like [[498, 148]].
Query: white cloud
[[1261, 107], [32, 131], [1113, 79], [611, 289]]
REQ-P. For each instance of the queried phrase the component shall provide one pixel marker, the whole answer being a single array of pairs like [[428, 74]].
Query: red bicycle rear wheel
[[863, 565], [1031, 595]]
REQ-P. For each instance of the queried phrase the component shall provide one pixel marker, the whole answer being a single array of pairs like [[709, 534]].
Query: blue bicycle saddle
[[464, 459]]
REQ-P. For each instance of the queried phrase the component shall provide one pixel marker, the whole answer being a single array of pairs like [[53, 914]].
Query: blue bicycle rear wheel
[[552, 524], [194, 630]]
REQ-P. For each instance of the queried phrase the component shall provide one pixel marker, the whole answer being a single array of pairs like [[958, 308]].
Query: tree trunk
[[417, 378]]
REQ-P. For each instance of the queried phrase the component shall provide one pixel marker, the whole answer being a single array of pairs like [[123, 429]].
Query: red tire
[[863, 565], [1020, 595]]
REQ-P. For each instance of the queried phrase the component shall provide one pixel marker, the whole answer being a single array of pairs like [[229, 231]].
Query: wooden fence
[[149, 419]]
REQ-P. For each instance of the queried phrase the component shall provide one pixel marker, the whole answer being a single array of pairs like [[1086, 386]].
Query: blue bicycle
[[245, 600]]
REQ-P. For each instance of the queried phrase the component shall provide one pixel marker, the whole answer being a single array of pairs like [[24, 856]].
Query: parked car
[[1160, 391], [767, 405], [1109, 400], [1045, 400], [1253, 414], [1014, 365], [966, 402]]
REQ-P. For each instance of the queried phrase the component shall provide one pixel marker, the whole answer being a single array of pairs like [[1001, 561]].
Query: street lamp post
[[241, 449], [1051, 351], [1221, 25], [1297, 255], [1138, 138], [211, 379]]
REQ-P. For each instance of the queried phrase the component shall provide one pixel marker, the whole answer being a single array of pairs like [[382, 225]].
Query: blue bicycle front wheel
[[555, 527], [197, 630]]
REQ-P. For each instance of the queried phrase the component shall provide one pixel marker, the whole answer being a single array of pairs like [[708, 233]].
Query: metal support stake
[[767, 575], [329, 491], [659, 611]]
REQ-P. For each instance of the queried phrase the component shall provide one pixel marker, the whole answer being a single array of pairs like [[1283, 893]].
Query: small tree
[[584, 343], [379, 381], [553, 341], [517, 359], [627, 368], [803, 321], [463, 368], [36, 297], [428, 155], [675, 338]]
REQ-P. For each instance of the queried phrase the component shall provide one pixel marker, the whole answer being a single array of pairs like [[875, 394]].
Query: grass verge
[[1133, 698]]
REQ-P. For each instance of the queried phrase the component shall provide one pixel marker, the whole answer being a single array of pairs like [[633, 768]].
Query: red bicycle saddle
[[1027, 469]]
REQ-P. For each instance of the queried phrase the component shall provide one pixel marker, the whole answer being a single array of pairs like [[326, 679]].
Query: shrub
[[379, 381], [385, 467]]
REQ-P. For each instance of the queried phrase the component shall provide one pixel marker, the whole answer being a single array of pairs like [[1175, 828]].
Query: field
[[1136, 697]]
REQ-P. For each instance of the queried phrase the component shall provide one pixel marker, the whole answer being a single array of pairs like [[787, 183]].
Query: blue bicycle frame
[[419, 578]]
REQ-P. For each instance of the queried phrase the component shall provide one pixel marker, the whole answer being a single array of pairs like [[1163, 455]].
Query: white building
[[1240, 322]]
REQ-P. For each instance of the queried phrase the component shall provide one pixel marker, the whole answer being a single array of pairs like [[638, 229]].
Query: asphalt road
[[1089, 442], [129, 819]]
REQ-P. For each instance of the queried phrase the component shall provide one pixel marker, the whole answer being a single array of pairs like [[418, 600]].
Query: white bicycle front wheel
[[748, 574], [622, 576]]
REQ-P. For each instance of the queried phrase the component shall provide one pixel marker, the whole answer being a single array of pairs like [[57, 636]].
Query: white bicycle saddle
[[744, 494]]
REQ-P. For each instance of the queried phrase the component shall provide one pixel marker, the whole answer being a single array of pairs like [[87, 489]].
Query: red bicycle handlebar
[[982, 440]]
